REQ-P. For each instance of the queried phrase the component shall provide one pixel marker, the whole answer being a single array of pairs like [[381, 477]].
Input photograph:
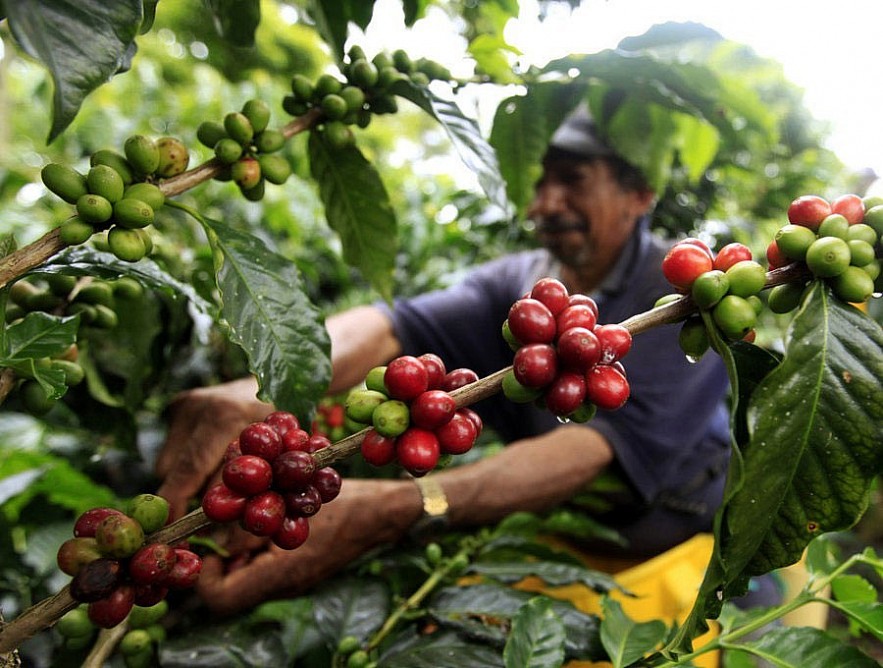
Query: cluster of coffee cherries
[[270, 482], [114, 569], [412, 418], [838, 241], [564, 360], [365, 89], [118, 194], [96, 301], [138, 644], [726, 284], [247, 148]]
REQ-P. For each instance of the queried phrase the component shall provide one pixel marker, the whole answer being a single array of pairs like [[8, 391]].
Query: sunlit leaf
[[627, 641], [537, 637], [804, 647]]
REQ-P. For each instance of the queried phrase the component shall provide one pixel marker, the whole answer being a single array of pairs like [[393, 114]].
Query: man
[[668, 444]]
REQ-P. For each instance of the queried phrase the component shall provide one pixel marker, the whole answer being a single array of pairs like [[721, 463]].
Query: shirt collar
[[634, 248]]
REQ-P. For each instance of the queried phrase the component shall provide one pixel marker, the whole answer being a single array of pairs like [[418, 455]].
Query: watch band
[[435, 510]]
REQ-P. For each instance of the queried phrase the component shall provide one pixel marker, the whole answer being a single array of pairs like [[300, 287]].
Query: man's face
[[582, 215]]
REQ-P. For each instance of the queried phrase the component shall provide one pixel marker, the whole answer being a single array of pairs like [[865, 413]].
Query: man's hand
[[201, 424], [367, 513]]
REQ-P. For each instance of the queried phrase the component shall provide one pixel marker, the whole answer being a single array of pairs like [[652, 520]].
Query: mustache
[[558, 224]]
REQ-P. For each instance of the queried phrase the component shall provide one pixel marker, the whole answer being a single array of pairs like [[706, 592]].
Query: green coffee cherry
[[113, 159], [334, 106], [95, 292], [291, 105], [873, 217], [136, 641], [147, 193], [785, 298], [827, 256], [402, 61], [419, 78], [584, 412], [374, 379], [746, 278], [433, 553], [64, 181], [75, 231], [326, 84], [94, 209], [151, 511], [735, 316], [35, 398], [861, 232], [142, 617], [364, 74], [834, 225], [302, 88], [126, 244], [693, 337], [106, 182], [509, 337], [255, 193], [75, 623], [21, 291], [339, 136], [132, 213], [238, 127], [709, 288], [228, 150], [173, 157], [73, 372], [269, 141], [353, 96], [860, 252], [142, 153], [872, 269], [348, 645], [210, 133], [360, 404], [391, 418], [61, 284], [516, 392], [258, 114], [794, 240], [275, 168], [127, 288], [852, 285]]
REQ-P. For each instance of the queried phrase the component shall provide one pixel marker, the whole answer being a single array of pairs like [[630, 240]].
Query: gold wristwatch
[[435, 510]]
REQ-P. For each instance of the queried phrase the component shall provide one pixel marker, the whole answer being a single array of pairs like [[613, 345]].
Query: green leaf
[[814, 426], [357, 207], [267, 313], [332, 19], [867, 615], [236, 20], [521, 130], [440, 650], [489, 54], [537, 637], [83, 43], [625, 640], [38, 335], [853, 588], [803, 647], [350, 606], [554, 574], [475, 152], [231, 645]]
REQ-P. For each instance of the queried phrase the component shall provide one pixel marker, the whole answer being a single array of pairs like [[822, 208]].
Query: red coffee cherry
[[263, 513], [248, 475], [260, 439], [693, 241], [432, 409], [583, 300], [293, 469], [606, 387], [282, 422], [531, 321], [457, 378], [327, 480], [535, 365], [232, 452], [417, 451], [850, 207], [435, 369], [378, 450], [775, 258], [457, 435], [303, 503], [222, 504], [152, 564], [295, 439], [316, 442], [405, 378], [809, 211], [88, 521], [578, 349], [577, 315], [147, 595], [684, 263], [566, 393], [474, 417], [551, 292], [114, 608], [730, 255], [615, 341], [119, 536], [293, 533], [186, 570]]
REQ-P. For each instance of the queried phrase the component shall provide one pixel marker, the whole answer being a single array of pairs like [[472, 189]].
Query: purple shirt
[[675, 425]]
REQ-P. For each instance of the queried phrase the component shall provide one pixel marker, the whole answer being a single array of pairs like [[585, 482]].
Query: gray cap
[[578, 134]]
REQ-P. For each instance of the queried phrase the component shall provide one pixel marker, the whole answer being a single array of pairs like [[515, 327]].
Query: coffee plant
[[805, 416]]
